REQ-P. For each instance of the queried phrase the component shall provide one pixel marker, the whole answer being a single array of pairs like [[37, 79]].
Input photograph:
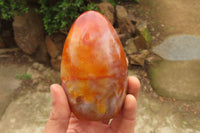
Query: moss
[[145, 33]]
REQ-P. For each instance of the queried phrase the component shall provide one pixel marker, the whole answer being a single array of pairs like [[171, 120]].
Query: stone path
[[154, 116], [29, 113], [177, 75], [179, 48], [8, 83], [172, 17]]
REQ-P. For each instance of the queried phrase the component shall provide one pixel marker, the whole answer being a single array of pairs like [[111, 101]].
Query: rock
[[38, 66], [41, 54], [130, 47], [132, 18], [35, 70], [27, 114], [140, 42], [28, 31], [55, 63], [47, 72], [8, 50], [35, 74], [42, 76], [183, 47], [152, 58], [108, 11], [144, 35], [59, 40], [51, 47], [142, 29], [139, 59], [177, 75], [38, 73], [123, 38], [124, 23], [5, 56]]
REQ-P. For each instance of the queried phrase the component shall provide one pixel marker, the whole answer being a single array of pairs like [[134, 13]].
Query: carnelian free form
[[94, 68]]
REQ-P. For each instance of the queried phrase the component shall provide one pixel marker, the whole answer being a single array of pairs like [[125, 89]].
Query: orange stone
[[94, 68]]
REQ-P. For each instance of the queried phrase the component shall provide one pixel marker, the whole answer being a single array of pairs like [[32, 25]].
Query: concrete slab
[[8, 83], [178, 74], [28, 114]]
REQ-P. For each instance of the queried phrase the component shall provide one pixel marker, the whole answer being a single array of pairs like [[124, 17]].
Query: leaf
[[185, 123], [138, 1]]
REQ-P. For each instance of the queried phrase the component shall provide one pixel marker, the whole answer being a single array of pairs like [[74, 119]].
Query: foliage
[[8, 8], [24, 76], [115, 2], [62, 13], [56, 16], [138, 1]]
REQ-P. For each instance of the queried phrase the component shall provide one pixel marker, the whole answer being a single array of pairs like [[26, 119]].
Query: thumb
[[60, 113]]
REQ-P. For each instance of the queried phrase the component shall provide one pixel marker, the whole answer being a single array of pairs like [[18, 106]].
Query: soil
[[17, 57]]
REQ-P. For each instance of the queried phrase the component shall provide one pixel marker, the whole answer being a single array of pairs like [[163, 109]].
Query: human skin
[[62, 120]]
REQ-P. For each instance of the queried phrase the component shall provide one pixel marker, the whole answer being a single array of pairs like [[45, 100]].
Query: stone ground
[[8, 83], [177, 74], [29, 110]]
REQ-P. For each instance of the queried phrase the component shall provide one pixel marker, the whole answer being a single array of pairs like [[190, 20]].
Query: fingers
[[127, 61], [125, 121], [128, 115], [129, 109], [60, 113], [133, 86]]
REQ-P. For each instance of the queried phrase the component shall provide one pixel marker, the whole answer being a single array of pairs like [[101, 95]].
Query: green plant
[[24, 76], [56, 16], [115, 2], [9, 7], [138, 1]]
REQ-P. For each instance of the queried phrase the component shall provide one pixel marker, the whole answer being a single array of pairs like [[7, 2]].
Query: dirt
[[14, 56], [17, 57]]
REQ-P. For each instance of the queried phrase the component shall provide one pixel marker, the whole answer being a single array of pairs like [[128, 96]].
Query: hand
[[62, 120]]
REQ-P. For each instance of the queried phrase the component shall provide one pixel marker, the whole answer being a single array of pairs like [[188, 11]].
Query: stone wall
[[29, 35]]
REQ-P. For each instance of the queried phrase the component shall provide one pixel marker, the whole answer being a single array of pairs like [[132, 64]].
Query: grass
[[24, 76]]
